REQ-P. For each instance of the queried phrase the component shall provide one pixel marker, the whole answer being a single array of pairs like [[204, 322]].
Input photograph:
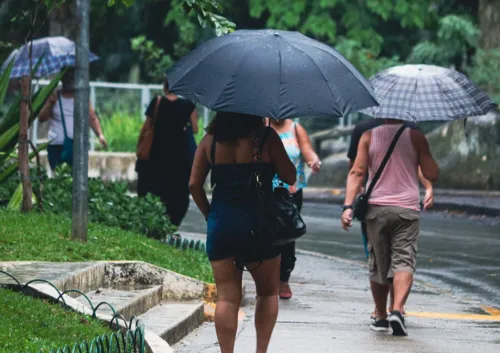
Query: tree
[[486, 69], [489, 23], [26, 107], [454, 45], [358, 29]]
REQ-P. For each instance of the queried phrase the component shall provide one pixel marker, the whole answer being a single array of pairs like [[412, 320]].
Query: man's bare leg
[[402, 286], [380, 292]]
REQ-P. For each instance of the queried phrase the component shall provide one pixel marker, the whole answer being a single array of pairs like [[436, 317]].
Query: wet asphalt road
[[457, 254]]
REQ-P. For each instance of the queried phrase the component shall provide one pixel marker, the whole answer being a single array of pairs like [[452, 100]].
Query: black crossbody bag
[[361, 204]]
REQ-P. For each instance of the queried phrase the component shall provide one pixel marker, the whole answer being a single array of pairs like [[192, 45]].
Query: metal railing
[[127, 337], [140, 96], [145, 91]]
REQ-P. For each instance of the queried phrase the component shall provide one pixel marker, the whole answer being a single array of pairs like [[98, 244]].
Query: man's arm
[[429, 191], [427, 164], [353, 146], [359, 169], [356, 177], [425, 183]]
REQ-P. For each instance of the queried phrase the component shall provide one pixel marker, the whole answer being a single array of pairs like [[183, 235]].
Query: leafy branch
[[155, 58]]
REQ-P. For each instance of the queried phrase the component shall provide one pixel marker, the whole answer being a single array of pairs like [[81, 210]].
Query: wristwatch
[[346, 207]]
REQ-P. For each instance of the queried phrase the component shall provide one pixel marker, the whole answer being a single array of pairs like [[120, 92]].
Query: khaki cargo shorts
[[392, 241]]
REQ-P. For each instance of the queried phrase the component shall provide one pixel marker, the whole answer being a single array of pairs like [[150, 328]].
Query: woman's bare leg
[[267, 281], [228, 282]]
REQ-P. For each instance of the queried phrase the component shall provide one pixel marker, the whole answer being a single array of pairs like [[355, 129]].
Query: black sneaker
[[380, 325], [397, 322]]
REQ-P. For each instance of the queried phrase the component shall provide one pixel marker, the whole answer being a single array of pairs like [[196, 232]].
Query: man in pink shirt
[[392, 217]]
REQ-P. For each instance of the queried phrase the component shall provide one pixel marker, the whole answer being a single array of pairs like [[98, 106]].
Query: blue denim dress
[[233, 212]]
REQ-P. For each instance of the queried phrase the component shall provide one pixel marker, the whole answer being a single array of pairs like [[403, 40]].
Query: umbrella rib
[[318, 45], [232, 76], [445, 101], [202, 58], [321, 72], [381, 98], [413, 104]]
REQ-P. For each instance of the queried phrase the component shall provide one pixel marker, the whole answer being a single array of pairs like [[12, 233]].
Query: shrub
[[109, 203]]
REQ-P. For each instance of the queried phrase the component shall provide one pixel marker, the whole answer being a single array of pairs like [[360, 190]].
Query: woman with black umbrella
[[243, 156]]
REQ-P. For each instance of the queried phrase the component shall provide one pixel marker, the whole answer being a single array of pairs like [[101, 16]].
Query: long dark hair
[[228, 127]]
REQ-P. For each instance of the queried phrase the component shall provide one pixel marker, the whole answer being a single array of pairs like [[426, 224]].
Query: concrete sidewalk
[[476, 202], [330, 313]]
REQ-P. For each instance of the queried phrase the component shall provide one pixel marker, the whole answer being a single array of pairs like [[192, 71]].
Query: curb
[[168, 286], [184, 326], [324, 198], [336, 197]]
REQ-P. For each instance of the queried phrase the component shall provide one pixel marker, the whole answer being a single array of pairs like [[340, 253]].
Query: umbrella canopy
[[57, 52], [426, 93], [271, 73]]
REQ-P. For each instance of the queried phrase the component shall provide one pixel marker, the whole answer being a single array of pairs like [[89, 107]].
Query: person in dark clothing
[[243, 156], [166, 173]]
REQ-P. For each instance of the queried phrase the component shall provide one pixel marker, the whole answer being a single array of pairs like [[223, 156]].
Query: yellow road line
[[490, 310], [450, 316]]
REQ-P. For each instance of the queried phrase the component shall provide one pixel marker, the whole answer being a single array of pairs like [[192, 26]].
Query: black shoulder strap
[[264, 138], [63, 120], [384, 161]]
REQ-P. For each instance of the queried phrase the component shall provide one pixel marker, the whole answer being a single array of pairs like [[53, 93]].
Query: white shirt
[[56, 130]]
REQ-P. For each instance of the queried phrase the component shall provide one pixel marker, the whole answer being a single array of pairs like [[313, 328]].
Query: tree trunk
[[24, 169], [489, 23], [63, 21]]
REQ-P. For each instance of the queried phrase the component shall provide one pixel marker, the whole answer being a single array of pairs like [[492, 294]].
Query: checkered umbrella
[[426, 93], [57, 52]]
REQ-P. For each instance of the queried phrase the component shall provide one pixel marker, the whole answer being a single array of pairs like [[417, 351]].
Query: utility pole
[[81, 124]]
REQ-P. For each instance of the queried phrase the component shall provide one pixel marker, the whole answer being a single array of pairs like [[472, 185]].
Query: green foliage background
[[138, 42]]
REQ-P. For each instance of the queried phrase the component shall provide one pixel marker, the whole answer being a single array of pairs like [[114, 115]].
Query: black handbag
[[360, 206], [279, 220]]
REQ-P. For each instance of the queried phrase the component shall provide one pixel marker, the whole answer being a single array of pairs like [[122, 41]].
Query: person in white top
[[53, 113]]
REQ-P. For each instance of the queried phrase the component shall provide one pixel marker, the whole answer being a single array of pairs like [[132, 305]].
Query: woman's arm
[[282, 163], [307, 149], [194, 121], [96, 126], [199, 173], [46, 112], [427, 164]]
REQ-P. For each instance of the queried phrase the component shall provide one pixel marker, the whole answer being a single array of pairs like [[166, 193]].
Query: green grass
[[122, 131], [33, 325], [47, 237]]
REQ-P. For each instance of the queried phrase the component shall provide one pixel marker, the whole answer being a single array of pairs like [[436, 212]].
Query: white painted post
[[205, 117], [92, 134], [145, 98], [34, 133], [341, 125]]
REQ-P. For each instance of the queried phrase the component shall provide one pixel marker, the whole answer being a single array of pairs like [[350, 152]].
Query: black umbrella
[[271, 73]]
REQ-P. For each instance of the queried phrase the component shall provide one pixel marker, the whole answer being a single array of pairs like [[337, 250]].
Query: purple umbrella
[[57, 52]]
